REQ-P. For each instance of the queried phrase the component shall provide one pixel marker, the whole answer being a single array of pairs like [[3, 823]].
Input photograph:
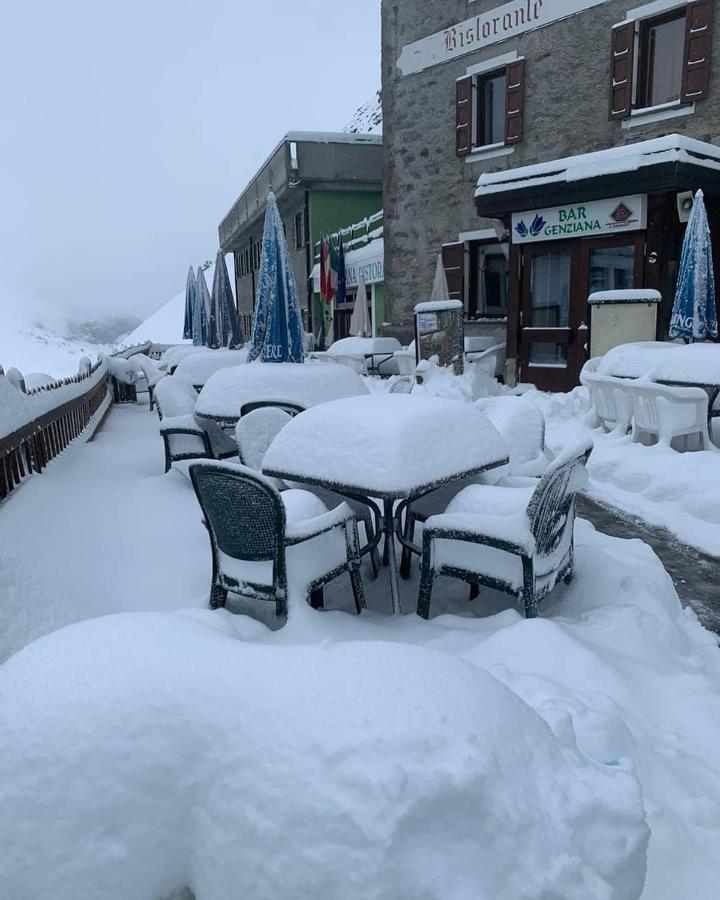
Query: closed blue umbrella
[[190, 291], [694, 314], [203, 310], [223, 303], [277, 333]]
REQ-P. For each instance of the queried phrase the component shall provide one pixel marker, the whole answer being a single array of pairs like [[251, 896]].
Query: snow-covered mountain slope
[[368, 118], [31, 347]]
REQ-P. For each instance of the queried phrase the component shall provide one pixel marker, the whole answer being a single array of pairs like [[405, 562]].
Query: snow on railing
[[357, 235], [35, 426]]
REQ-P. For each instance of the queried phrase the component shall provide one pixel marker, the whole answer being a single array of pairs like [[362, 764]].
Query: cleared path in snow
[[696, 575], [101, 531]]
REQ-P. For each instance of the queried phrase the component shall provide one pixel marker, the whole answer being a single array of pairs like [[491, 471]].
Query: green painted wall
[[332, 210]]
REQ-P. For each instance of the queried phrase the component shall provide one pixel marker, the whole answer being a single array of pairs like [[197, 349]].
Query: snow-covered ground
[[679, 491], [392, 751]]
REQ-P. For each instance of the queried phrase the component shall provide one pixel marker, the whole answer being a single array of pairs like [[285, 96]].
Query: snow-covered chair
[[669, 412], [259, 536], [255, 432], [352, 361], [611, 405], [518, 540], [490, 361], [521, 424], [182, 436], [152, 374]]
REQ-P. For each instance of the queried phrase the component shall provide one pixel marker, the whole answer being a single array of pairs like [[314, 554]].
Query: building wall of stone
[[428, 190]]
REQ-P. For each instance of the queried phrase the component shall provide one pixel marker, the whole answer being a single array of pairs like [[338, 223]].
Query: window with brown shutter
[[463, 115], [621, 70], [453, 257], [698, 47], [514, 100]]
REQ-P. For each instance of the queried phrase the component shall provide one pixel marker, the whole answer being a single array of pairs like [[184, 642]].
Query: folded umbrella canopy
[[440, 290], [190, 291], [277, 332], [202, 312], [694, 314], [360, 324], [222, 302]]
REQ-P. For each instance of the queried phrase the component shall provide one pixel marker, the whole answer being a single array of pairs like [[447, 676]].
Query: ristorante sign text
[[499, 24]]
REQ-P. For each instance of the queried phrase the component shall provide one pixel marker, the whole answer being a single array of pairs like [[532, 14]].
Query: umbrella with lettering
[[277, 332], [694, 314]]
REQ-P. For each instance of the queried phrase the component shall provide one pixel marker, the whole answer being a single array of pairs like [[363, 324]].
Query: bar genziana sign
[[491, 27]]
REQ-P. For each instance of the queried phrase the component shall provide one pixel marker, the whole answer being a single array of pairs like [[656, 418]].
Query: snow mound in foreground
[[146, 752]]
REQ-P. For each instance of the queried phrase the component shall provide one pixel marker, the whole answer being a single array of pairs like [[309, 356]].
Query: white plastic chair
[[610, 401], [491, 361], [669, 412]]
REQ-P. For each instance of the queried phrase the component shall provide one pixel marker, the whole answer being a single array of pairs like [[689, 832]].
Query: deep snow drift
[[161, 753], [613, 664]]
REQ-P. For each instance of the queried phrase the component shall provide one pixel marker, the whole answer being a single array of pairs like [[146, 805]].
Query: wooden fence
[[31, 447]]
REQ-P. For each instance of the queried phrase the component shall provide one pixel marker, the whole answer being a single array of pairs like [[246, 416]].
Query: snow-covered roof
[[628, 158], [331, 137], [368, 118]]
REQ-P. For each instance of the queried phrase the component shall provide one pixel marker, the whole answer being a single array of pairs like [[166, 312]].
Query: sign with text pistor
[[577, 220], [491, 27]]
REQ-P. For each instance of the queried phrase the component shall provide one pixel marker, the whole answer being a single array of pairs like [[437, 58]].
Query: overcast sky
[[129, 128]]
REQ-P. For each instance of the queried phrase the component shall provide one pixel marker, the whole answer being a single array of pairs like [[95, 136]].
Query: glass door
[[547, 317]]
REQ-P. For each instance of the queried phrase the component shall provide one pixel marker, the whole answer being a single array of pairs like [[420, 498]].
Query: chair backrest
[[551, 506], [521, 423], [175, 397], [405, 361], [292, 409], [356, 363], [608, 396], [255, 432], [653, 405], [244, 512], [402, 385]]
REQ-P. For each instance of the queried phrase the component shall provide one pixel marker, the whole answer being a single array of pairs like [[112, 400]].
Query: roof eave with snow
[[672, 162]]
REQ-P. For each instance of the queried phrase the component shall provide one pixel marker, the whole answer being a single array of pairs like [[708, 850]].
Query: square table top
[[388, 446]]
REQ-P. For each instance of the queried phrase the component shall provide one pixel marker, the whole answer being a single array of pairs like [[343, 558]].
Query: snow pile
[[679, 491], [441, 381], [413, 786], [381, 434], [305, 384]]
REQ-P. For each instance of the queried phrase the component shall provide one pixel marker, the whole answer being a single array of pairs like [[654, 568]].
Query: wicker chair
[[182, 436], [518, 540], [254, 433], [250, 539]]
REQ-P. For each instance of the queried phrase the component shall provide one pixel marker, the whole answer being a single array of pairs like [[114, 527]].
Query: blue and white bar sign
[[596, 217]]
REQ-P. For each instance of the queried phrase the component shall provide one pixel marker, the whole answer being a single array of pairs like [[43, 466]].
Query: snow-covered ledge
[[634, 295]]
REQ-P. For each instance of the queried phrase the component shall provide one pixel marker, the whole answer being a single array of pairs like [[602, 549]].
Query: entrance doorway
[[557, 277]]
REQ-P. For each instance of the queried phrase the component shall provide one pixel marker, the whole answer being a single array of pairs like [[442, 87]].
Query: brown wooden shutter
[[463, 115], [453, 256], [698, 49], [621, 70], [514, 101]]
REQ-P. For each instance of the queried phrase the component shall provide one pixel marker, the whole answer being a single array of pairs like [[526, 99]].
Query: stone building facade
[[565, 64]]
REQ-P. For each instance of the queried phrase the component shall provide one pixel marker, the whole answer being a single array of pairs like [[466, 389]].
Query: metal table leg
[[389, 532]]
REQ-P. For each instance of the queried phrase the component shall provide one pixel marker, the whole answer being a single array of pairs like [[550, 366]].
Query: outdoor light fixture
[[684, 202]]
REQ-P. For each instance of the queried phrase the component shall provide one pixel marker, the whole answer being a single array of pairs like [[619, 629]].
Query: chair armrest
[[297, 532], [511, 533]]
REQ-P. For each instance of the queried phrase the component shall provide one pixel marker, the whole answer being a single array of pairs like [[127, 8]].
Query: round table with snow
[[302, 384], [387, 447]]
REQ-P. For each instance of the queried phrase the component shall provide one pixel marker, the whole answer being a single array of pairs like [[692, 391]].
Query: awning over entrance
[[673, 163]]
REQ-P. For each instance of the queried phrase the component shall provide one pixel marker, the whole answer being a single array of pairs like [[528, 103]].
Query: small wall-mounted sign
[[593, 218]]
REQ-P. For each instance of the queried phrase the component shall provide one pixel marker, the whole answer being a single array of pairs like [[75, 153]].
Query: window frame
[[478, 107], [642, 78]]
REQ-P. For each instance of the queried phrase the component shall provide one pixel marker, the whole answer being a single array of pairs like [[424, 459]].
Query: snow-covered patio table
[[686, 365], [303, 384], [388, 447]]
